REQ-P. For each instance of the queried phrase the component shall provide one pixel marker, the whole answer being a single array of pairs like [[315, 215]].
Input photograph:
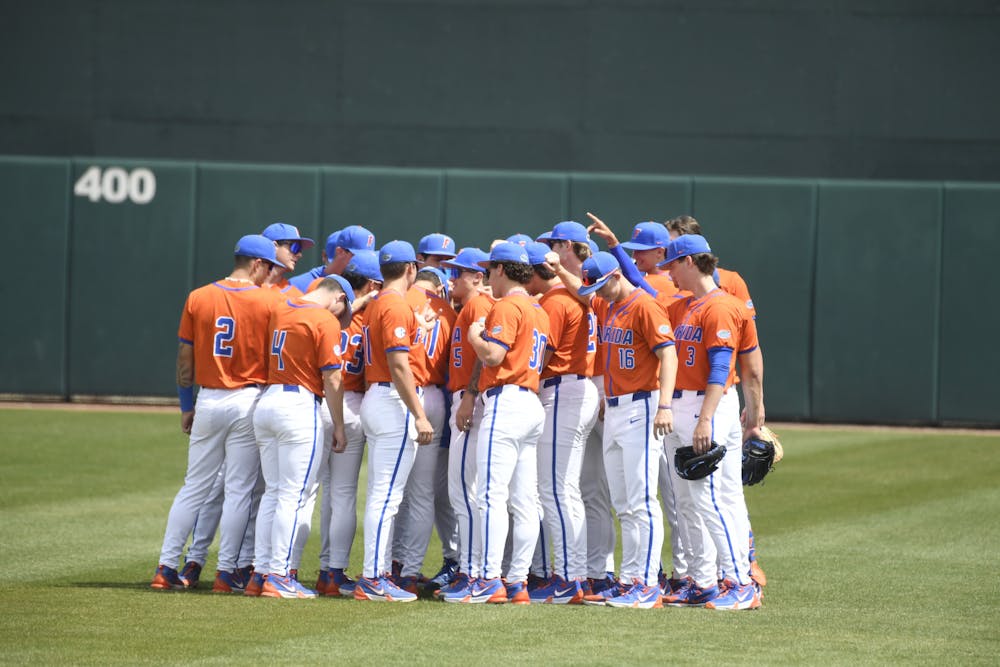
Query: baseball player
[[392, 415], [339, 478], [570, 401], [222, 347], [640, 366], [511, 347], [475, 304], [339, 248], [416, 518], [303, 367], [289, 248], [730, 281], [750, 362], [709, 326]]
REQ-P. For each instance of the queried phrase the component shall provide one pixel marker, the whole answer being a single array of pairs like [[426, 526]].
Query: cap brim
[[590, 289], [275, 262], [484, 264], [464, 267], [439, 254], [629, 245]]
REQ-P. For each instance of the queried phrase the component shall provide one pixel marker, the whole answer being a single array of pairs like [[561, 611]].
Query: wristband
[[186, 394], [663, 407]]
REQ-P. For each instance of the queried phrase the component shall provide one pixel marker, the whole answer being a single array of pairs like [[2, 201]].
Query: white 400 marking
[[115, 185]]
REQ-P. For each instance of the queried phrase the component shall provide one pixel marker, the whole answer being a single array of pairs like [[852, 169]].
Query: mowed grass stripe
[[869, 562]]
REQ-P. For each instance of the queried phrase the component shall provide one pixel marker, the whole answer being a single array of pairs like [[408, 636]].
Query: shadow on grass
[[142, 586]]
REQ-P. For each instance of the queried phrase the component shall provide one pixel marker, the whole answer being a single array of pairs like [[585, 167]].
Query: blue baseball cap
[[593, 247], [365, 263], [437, 244], [507, 252], [351, 238], [597, 271], [569, 231], [344, 285], [279, 231], [520, 239], [648, 235], [396, 251], [544, 237], [682, 246], [468, 259], [537, 252], [257, 246]]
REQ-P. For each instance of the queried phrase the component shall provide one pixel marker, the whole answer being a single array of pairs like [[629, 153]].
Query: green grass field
[[880, 547]]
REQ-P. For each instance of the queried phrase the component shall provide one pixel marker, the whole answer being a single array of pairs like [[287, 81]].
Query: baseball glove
[[760, 455], [693, 466]]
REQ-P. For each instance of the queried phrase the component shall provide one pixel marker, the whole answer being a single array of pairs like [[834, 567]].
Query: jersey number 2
[[225, 331]]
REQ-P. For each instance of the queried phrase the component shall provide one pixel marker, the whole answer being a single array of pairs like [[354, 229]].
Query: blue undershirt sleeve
[[629, 270], [719, 359]]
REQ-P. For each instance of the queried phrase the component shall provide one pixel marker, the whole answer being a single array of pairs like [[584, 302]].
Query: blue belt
[[496, 390], [680, 392], [637, 396], [384, 384], [295, 388], [553, 381]]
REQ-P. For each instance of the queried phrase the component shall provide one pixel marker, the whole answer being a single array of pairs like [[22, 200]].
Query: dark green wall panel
[[877, 291], [235, 200], [404, 204], [485, 205], [969, 296], [35, 195], [622, 201], [130, 268], [765, 230]]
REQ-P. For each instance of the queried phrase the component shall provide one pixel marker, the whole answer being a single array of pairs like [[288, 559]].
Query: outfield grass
[[880, 547]]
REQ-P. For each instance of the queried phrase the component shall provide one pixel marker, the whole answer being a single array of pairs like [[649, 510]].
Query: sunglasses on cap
[[295, 247], [588, 281]]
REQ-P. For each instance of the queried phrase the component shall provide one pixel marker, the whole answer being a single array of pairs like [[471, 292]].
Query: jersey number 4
[[225, 331], [277, 346]]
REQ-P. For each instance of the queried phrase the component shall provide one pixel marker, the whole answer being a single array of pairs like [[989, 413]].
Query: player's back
[[226, 323], [390, 326], [572, 334], [304, 341]]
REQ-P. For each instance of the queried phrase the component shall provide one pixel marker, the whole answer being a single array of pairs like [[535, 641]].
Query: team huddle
[[515, 400]]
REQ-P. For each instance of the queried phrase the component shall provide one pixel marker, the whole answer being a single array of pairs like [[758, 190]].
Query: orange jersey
[[733, 283], [462, 356], [520, 326], [390, 326], [352, 352], [632, 330], [572, 334], [716, 320], [437, 340], [662, 283], [285, 289], [305, 341], [226, 323]]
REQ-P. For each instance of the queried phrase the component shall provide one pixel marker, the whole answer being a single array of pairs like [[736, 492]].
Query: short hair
[[330, 284], [706, 262], [243, 261], [519, 273], [394, 270], [683, 224], [544, 272], [432, 277], [354, 279]]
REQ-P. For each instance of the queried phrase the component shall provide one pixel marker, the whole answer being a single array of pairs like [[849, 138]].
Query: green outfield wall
[[868, 292]]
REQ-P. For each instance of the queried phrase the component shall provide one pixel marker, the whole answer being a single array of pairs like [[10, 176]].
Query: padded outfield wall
[[872, 296]]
